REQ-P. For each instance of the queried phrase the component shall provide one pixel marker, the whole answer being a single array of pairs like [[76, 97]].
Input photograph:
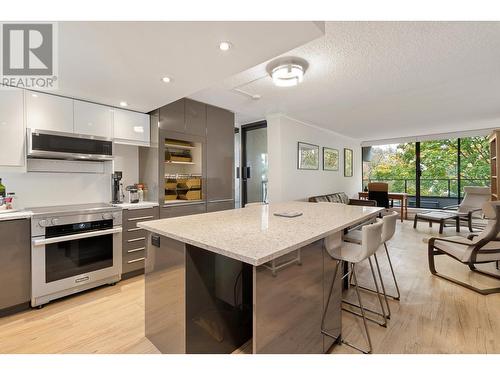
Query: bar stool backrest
[[371, 235], [389, 227]]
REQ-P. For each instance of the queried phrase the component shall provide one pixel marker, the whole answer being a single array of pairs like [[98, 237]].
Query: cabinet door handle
[[140, 218], [135, 250], [136, 239], [134, 229], [136, 260], [221, 200]]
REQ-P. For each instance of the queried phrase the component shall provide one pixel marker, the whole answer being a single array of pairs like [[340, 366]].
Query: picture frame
[[307, 156], [330, 159], [348, 162]]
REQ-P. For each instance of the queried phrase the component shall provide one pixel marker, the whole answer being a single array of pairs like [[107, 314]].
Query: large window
[[433, 173]]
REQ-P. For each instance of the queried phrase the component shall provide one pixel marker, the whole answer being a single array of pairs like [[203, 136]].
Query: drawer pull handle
[[136, 260], [137, 239], [140, 218], [134, 229], [134, 250]]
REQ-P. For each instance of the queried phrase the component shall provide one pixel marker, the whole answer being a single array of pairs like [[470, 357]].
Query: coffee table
[[438, 217]]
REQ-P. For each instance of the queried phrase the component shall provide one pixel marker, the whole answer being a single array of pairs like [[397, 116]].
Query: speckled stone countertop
[[15, 214], [139, 205], [254, 235]]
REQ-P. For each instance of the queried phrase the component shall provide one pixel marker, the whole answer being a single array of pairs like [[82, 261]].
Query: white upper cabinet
[[49, 112], [131, 128], [93, 119], [11, 127]]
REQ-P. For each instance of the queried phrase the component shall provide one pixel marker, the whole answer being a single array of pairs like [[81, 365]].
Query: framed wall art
[[307, 156], [348, 163], [330, 159]]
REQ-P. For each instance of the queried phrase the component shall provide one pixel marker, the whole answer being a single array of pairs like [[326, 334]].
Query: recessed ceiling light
[[287, 72], [225, 46], [123, 104], [166, 79]]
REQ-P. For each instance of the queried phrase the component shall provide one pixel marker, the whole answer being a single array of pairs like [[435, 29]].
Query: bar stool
[[353, 254], [388, 230]]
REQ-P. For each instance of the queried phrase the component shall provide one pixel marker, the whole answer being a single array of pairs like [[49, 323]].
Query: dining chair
[[379, 191]]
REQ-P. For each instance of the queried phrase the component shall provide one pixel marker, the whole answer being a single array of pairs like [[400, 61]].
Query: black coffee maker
[[117, 187]]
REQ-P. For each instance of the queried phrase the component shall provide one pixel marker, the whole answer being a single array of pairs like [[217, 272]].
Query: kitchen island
[[215, 281]]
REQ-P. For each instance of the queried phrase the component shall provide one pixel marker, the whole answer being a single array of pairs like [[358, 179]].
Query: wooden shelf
[[177, 201], [179, 147], [179, 162]]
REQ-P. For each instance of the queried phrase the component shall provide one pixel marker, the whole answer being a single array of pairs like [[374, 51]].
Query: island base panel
[[288, 306], [165, 301], [218, 302]]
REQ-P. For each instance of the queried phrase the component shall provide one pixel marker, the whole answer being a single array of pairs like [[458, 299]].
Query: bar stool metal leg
[[397, 298], [382, 314], [394, 297], [363, 315], [388, 316]]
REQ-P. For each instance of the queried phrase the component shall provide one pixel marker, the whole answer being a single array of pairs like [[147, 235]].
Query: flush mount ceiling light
[[287, 72], [225, 46], [123, 104], [166, 79]]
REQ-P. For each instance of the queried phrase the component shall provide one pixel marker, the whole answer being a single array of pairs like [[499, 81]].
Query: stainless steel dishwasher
[[15, 265]]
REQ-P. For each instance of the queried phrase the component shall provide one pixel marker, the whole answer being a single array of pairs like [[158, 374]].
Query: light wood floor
[[433, 316]]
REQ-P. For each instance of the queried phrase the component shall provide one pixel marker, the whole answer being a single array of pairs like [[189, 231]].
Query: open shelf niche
[[183, 171]]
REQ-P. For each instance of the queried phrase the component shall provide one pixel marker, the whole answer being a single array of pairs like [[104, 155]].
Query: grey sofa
[[342, 198]]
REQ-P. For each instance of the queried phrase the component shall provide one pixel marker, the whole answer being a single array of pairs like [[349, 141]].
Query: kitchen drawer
[[132, 217], [134, 239], [133, 261], [132, 234], [183, 210]]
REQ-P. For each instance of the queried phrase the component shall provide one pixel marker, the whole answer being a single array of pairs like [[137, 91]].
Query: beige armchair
[[470, 208], [484, 248]]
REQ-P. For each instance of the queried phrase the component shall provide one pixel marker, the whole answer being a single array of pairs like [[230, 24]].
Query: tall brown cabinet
[[190, 167]]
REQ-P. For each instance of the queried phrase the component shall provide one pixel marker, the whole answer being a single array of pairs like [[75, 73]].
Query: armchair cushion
[[461, 248]]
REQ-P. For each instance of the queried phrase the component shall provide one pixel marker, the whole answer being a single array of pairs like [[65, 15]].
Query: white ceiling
[[109, 62], [373, 80]]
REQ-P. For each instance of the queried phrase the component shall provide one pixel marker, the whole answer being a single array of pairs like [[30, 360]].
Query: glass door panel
[[255, 164], [439, 173]]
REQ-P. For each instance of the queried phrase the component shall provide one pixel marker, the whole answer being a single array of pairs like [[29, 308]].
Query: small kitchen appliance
[[117, 187], [133, 194]]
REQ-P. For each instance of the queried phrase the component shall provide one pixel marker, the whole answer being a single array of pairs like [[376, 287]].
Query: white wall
[[36, 189], [127, 161], [286, 182]]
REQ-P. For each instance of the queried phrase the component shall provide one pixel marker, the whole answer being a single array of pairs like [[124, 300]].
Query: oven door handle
[[71, 237]]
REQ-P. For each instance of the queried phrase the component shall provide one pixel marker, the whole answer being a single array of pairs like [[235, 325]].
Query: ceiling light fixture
[[123, 104], [225, 46], [287, 72], [166, 79]]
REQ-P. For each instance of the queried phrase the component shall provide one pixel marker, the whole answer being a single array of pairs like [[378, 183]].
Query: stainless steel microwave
[[46, 144]]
